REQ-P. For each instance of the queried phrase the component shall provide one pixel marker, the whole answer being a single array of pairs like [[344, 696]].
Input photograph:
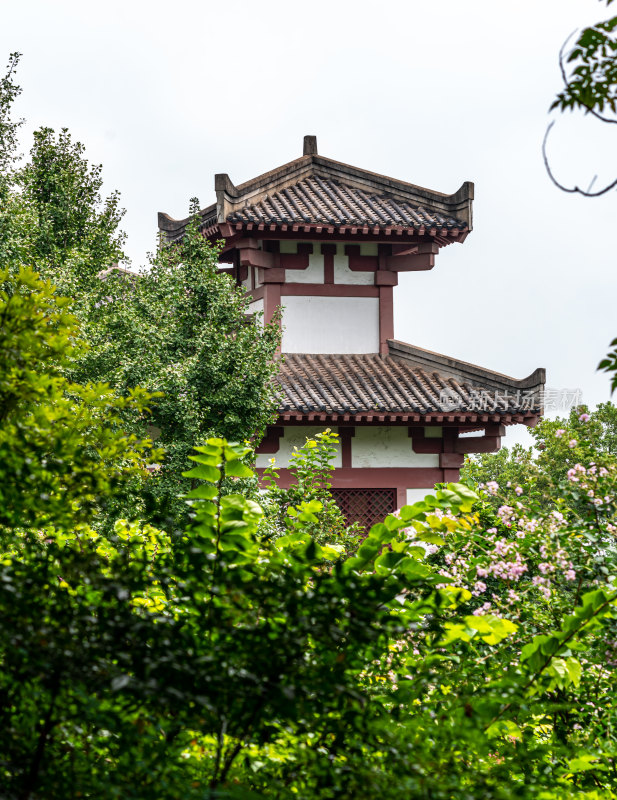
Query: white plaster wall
[[382, 446], [414, 495], [294, 436], [314, 273], [342, 273], [256, 306], [330, 324]]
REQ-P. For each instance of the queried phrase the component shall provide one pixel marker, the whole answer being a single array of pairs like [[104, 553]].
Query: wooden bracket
[[271, 441]]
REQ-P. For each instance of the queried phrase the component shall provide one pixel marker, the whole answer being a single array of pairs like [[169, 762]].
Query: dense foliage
[[466, 647], [180, 328], [559, 444], [61, 443], [459, 651]]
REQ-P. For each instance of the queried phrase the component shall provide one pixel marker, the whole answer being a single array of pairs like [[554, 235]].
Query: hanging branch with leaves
[[589, 73]]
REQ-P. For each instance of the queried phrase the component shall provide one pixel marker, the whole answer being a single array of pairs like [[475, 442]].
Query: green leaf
[[584, 763], [491, 629], [416, 511], [504, 728], [236, 469], [210, 461], [204, 473], [203, 493]]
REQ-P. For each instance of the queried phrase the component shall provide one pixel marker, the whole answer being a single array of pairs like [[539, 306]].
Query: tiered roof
[[314, 197], [407, 385], [314, 193]]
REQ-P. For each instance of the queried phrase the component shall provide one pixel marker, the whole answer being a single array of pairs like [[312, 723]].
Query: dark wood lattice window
[[366, 506]]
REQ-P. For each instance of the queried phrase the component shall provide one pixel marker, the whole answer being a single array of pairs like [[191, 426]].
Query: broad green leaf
[[204, 473], [504, 728], [236, 469], [203, 493]]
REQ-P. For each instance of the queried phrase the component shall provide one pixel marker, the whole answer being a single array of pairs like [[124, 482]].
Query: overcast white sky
[[164, 95]]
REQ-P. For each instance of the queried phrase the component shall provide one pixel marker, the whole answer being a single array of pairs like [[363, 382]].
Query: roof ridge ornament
[[310, 146]]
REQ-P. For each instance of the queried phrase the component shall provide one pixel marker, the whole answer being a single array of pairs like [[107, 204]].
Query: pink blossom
[[570, 575], [492, 487], [481, 572], [584, 418], [603, 472], [506, 513], [502, 547], [479, 587], [572, 443], [518, 490], [559, 433]]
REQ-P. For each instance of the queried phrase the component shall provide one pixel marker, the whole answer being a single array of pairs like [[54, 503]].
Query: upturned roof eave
[[231, 198], [463, 371]]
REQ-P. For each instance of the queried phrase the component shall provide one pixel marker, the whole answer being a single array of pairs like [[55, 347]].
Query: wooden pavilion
[[326, 241]]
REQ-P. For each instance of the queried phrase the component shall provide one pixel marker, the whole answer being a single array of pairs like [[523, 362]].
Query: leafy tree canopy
[[179, 328], [558, 445]]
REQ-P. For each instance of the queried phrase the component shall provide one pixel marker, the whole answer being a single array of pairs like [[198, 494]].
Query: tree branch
[[575, 189]]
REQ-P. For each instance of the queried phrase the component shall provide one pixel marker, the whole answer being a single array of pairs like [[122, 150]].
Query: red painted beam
[[415, 262], [257, 258], [478, 444], [451, 460]]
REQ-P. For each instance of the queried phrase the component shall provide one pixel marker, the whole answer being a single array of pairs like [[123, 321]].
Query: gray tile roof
[[381, 385], [322, 200]]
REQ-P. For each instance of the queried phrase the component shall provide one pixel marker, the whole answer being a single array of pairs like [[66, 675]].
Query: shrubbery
[[465, 648]]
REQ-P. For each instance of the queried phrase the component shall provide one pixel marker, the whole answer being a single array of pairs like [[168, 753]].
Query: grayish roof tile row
[[369, 383], [320, 200]]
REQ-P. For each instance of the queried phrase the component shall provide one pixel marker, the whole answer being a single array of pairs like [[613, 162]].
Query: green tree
[[62, 445], [128, 668], [249, 667], [75, 232], [559, 444], [180, 328], [183, 328]]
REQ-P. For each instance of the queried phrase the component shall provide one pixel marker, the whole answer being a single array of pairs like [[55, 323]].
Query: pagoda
[[325, 241]]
